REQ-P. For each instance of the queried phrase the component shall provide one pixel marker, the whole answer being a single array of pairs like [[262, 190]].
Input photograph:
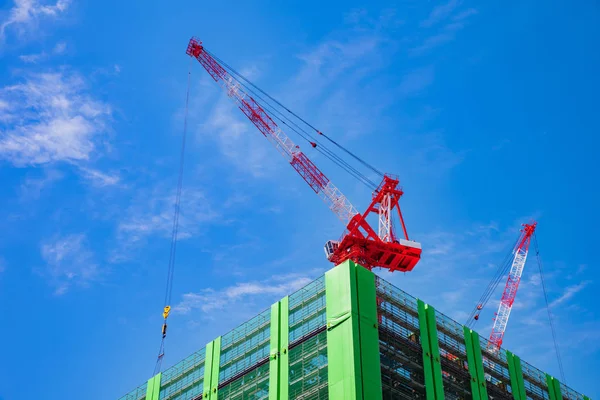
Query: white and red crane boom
[[510, 289], [360, 243]]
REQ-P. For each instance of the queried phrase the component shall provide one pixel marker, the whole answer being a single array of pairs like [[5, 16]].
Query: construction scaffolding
[[351, 335]]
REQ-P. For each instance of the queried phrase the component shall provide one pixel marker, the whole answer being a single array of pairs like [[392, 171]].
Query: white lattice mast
[[510, 290]]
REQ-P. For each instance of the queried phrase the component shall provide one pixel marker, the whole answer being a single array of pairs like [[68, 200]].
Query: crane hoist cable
[[281, 117], [175, 230], [501, 272], [264, 102], [550, 318]]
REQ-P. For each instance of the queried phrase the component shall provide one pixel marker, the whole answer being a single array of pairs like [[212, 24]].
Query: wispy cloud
[[69, 262], [32, 188], [440, 13], [50, 117], [238, 140], [210, 300], [26, 15], [416, 81], [98, 178], [448, 31], [568, 293], [59, 49], [151, 215]]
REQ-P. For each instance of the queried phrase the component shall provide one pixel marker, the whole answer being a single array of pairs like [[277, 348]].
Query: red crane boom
[[360, 242]]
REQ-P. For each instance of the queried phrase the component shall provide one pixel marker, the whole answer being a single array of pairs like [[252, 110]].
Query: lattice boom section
[[185, 379], [453, 352], [399, 340], [245, 346], [308, 369], [138, 393], [307, 310]]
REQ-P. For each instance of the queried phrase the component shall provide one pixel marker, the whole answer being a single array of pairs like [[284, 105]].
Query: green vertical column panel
[[343, 340], [279, 359], [369, 334], [208, 362], [483, 395], [471, 363], [211, 369], [520, 380], [153, 387], [478, 383], [284, 357], [553, 388], [214, 382], [274, 352], [514, 380], [427, 357], [436, 363]]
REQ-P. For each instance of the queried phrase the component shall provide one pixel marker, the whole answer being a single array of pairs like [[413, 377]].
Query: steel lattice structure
[[512, 284]]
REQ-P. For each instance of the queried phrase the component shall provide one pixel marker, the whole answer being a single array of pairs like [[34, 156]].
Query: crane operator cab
[[330, 247]]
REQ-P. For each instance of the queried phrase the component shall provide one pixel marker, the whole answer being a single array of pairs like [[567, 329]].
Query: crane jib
[[309, 171]]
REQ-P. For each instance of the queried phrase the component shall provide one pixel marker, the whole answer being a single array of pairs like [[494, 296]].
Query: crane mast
[[510, 290], [360, 242]]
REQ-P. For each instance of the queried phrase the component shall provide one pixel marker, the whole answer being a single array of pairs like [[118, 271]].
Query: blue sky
[[487, 112]]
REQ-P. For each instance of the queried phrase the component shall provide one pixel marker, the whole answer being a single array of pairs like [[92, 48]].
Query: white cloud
[[151, 214], [31, 188], [448, 32], [416, 81], [50, 118], [98, 178], [69, 262], [440, 13], [210, 300], [59, 48], [26, 15], [35, 58], [239, 140], [569, 292]]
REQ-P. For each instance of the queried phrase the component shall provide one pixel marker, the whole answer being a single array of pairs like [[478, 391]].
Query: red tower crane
[[360, 242]]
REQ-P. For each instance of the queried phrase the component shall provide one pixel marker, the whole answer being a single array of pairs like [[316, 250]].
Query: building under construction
[[351, 335]]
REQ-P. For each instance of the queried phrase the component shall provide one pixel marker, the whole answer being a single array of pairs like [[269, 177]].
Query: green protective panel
[[216, 362], [520, 380], [284, 357], [427, 358], [436, 363], [369, 334], [208, 360], [343, 339], [153, 387], [512, 371], [586, 398], [557, 389], [471, 363], [481, 382], [274, 346], [279, 358], [550, 384], [211, 369]]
